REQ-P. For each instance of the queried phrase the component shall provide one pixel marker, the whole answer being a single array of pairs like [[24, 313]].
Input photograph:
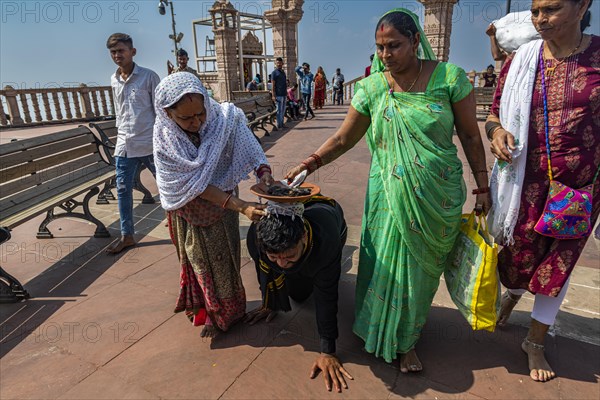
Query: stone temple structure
[[239, 58], [438, 25]]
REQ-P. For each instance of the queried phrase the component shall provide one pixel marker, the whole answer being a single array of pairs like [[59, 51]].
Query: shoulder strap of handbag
[[546, 120]]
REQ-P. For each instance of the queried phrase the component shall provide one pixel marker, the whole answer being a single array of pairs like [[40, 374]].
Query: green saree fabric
[[413, 206]]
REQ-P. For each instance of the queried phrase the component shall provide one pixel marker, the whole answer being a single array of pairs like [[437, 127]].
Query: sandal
[[508, 302]]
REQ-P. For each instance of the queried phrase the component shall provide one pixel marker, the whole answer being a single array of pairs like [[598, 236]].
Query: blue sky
[[62, 43]]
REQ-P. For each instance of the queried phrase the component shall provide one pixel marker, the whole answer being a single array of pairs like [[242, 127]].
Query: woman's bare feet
[[508, 302], [123, 243], [209, 331], [409, 362], [539, 369]]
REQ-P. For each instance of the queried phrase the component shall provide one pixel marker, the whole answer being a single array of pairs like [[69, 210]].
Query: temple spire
[[438, 25]]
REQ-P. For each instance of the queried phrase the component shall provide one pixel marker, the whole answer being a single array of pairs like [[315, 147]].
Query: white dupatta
[[515, 107], [228, 150]]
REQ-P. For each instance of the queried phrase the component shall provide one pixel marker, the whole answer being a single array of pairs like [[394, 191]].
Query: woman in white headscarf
[[202, 150]]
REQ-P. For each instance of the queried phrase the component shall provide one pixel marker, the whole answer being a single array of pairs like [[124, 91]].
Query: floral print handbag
[[567, 212]]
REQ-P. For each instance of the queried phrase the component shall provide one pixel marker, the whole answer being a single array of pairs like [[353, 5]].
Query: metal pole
[[240, 52], [508, 6], [174, 30]]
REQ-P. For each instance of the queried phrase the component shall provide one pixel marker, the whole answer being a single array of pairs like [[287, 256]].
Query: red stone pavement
[[102, 327]]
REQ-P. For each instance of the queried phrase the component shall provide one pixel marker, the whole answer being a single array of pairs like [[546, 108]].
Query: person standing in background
[[306, 80], [338, 87], [279, 90], [320, 87], [133, 92]]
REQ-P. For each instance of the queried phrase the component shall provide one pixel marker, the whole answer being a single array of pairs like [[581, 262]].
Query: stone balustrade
[[476, 78], [32, 107], [348, 91]]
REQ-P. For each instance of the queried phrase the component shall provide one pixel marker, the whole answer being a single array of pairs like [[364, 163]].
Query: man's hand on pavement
[[333, 372]]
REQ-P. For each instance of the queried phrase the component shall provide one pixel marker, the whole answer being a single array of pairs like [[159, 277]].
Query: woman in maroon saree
[[532, 262], [320, 87]]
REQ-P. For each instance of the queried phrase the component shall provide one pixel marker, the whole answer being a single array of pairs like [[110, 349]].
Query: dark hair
[[372, 56], [182, 52], [277, 234], [279, 59], [587, 17], [117, 38], [401, 22], [307, 65], [490, 66]]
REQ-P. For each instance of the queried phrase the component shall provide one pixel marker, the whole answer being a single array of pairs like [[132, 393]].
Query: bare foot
[[409, 362], [539, 369], [209, 331], [123, 243], [508, 302]]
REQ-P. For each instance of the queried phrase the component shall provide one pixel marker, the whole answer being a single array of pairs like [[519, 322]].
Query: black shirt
[[279, 81], [320, 266]]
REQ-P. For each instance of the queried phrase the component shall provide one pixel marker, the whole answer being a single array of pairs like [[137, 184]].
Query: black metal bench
[[260, 110], [108, 135], [237, 95], [46, 174], [266, 110]]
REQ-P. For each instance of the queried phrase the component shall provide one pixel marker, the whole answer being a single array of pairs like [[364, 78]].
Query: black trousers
[[306, 98]]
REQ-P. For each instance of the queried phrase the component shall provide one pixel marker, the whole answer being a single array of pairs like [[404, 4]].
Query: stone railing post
[[103, 102], [3, 120], [76, 104], [46, 103], [36, 107], [84, 92], [472, 75], [13, 106], [95, 103], [25, 107]]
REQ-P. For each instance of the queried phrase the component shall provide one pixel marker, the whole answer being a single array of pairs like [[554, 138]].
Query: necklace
[[413, 84], [550, 69]]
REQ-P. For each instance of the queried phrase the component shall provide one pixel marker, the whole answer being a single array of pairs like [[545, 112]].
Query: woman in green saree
[[407, 108]]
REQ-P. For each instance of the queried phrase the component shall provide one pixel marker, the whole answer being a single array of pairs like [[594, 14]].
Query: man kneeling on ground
[[297, 250]]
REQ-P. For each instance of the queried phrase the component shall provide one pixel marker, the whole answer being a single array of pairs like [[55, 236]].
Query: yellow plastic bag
[[471, 275]]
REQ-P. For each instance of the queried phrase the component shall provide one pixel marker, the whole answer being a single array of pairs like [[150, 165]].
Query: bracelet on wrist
[[224, 205], [261, 170], [318, 160], [490, 128], [308, 167], [481, 190]]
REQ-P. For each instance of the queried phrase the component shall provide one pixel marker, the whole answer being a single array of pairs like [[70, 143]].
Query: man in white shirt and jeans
[[133, 92]]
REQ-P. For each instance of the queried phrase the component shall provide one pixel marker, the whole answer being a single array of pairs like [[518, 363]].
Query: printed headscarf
[[228, 150], [292, 210], [424, 51]]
